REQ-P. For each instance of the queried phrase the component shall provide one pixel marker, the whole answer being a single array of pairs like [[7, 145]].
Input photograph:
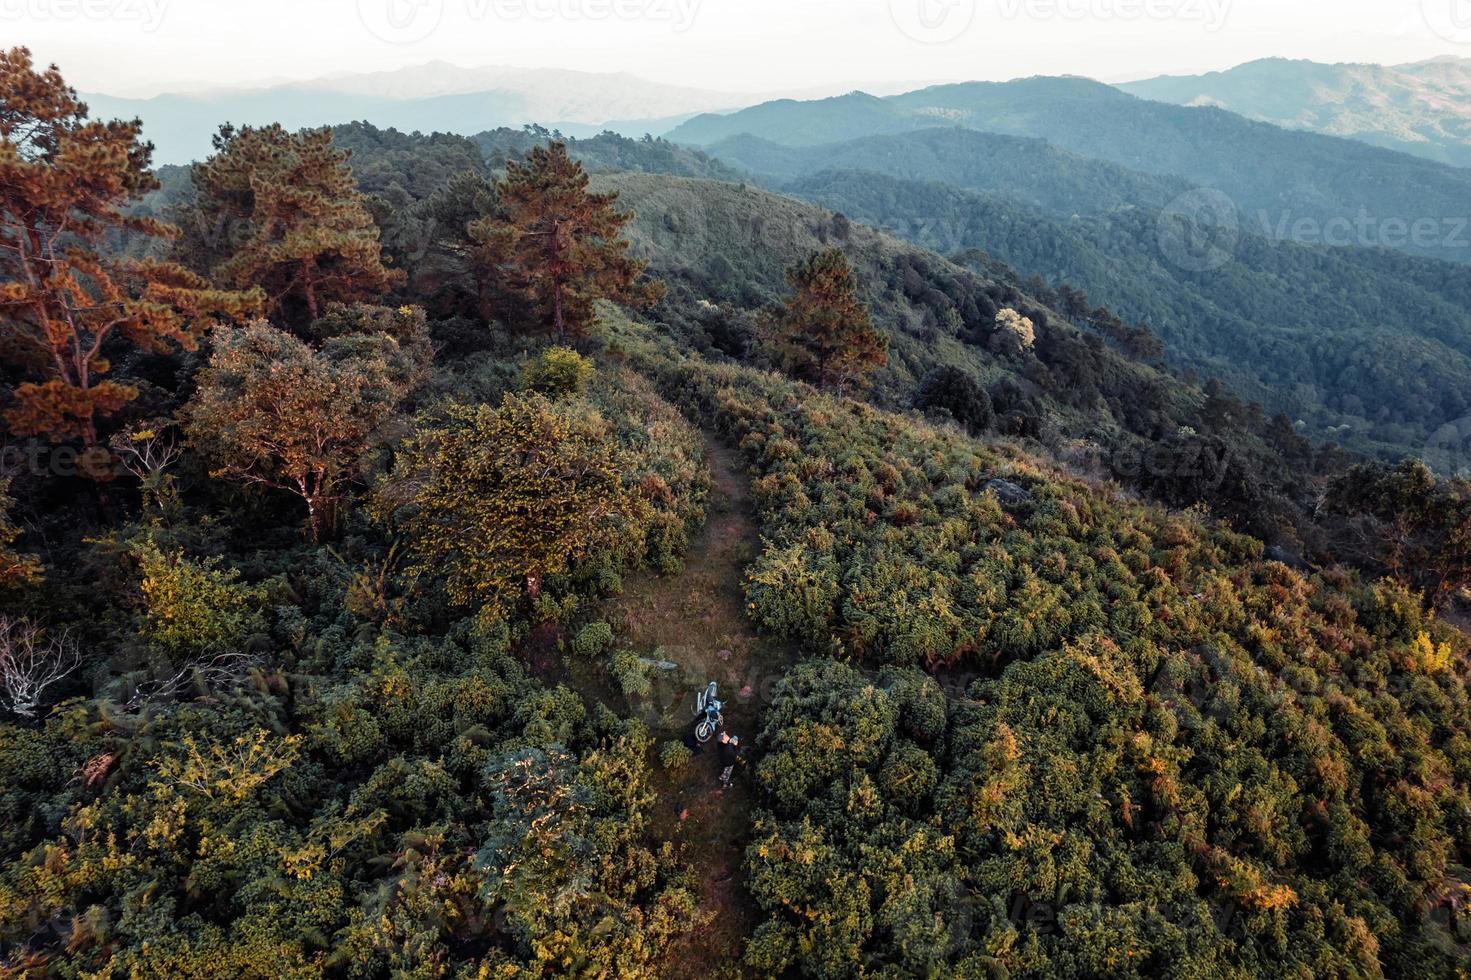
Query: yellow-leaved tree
[[500, 498]]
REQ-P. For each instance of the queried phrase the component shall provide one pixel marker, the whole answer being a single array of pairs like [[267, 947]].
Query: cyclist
[[729, 751]]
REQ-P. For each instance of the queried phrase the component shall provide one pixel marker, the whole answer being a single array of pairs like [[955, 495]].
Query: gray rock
[[1008, 494]]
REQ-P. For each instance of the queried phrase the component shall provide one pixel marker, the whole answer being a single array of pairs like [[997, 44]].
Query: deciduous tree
[[500, 498], [558, 245], [31, 663], [1014, 332], [66, 309], [272, 411]]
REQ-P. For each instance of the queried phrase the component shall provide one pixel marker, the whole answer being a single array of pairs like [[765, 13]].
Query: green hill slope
[[1369, 347], [1028, 170], [725, 248]]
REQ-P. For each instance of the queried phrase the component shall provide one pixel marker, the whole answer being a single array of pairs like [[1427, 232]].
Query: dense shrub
[[500, 501], [557, 371], [592, 640], [1170, 756], [954, 391], [191, 607]]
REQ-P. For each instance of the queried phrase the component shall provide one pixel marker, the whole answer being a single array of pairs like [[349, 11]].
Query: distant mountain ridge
[[1422, 108], [435, 97], [1369, 348], [1026, 169], [1283, 183]]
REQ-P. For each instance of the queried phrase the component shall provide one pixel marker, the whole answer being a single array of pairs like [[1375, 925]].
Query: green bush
[[593, 640], [675, 756], [192, 607], [631, 674], [557, 372]]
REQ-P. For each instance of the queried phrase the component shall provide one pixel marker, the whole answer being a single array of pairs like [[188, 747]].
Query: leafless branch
[[31, 663], [205, 672]]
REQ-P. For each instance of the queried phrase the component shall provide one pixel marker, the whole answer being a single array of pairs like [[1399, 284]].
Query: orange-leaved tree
[[282, 210], [827, 335], [559, 245], [272, 411], [66, 306]]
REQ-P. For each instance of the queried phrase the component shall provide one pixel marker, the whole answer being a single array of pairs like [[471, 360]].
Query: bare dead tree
[[147, 451], [31, 663]]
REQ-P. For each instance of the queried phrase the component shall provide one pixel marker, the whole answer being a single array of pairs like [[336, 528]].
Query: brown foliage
[[272, 411], [559, 246], [65, 184]]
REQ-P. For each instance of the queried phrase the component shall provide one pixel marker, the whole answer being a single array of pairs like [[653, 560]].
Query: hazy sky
[[136, 47]]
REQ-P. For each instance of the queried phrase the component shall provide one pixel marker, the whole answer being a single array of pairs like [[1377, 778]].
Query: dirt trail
[[697, 619]]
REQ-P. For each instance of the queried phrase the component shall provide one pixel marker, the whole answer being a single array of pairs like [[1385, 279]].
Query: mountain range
[[435, 97], [1280, 183], [1205, 226], [1422, 108], [1369, 347]]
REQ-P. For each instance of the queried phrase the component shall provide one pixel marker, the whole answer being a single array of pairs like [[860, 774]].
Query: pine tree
[[558, 245], [66, 183], [303, 229], [827, 335]]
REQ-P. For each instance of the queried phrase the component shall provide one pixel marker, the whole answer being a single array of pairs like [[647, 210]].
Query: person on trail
[[729, 751]]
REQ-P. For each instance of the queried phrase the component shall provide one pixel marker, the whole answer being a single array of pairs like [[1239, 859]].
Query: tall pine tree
[[282, 210], [557, 245], [66, 307], [827, 335]]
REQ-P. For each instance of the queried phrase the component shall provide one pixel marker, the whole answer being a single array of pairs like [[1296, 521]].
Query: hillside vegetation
[[1169, 759], [1368, 348], [371, 534]]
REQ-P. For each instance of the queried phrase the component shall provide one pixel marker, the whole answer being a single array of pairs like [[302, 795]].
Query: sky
[[143, 47]]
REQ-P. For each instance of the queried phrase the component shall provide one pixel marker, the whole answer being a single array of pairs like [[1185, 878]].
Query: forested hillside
[[1283, 184], [1159, 769], [368, 531], [1032, 171], [1418, 108], [1369, 348]]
